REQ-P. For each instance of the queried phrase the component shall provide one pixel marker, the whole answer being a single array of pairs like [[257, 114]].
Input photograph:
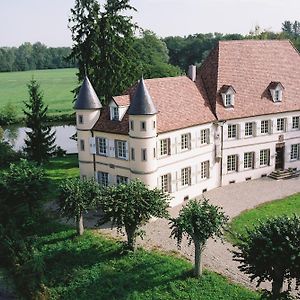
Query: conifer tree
[[40, 142]]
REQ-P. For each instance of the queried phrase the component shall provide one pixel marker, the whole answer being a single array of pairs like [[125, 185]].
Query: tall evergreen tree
[[103, 43], [40, 141]]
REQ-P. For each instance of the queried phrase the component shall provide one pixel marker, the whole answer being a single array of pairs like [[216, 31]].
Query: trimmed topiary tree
[[271, 252], [198, 221], [131, 206], [77, 196]]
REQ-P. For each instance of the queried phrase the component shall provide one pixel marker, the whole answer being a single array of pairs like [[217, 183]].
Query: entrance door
[[279, 163]]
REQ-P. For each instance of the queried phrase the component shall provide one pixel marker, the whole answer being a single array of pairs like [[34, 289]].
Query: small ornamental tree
[[271, 252], [39, 144], [77, 196], [131, 206], [198, 221]]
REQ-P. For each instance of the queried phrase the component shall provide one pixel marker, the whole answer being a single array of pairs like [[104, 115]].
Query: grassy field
[[287, 206], [94, 267], [56, 85]]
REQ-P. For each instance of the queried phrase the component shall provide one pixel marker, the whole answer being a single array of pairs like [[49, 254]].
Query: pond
[[16, 135]]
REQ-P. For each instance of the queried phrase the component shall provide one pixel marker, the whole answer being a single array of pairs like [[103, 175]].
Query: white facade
[[190, 161]]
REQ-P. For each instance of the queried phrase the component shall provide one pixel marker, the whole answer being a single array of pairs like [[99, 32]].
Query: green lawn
[[56, 84], [94, 267], [286, 206], [58, 169]]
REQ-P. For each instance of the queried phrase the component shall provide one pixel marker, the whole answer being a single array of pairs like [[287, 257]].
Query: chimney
[[192, 73]]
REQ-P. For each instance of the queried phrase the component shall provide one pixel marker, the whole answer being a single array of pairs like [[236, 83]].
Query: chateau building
[[235, 118]]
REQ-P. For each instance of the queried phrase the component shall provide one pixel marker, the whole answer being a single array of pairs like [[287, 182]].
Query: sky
[[47, 20]]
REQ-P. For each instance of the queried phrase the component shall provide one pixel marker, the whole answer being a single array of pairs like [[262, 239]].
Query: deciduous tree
[[271, 252], [131, 206], [40, 140], [198, 221], [76, 197]]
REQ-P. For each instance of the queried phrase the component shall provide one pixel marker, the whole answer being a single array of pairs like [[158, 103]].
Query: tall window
[[232, 131], [185, 141], [144, 154], [80, 119], [103, 178], [295, 153], [277, 95], [264, 157], [228, 100], [232, 163], [122, 179], [132, 154], [165, 181], [165, 147], [115, 113], [204, 136], [101, 146], [81, 145], [131, 125], [295, 123], [248, 160], [205, 169], [121, 149], [264, 126], [186, 176], [280, 124], [143, 126], [248, 129]]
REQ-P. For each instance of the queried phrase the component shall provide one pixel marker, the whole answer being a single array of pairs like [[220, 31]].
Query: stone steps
[[284, 174]]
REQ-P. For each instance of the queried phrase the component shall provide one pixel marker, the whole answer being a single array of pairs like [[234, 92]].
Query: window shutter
[[96, 177], [173, 182], [193, 174], [232, 99], [111, 148], [240, 128], [112, 179], [254, 129], [126, 149], [169, 146], [272, 124], [285, 124], [190, 141], [268, 157], [225, 132], [92, 145]]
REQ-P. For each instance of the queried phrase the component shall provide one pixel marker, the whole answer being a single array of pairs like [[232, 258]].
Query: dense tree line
[[35, 56], [193, 49]]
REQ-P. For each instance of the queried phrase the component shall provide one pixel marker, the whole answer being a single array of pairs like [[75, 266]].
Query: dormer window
[[228, 92], [276, 90], [115, 113]]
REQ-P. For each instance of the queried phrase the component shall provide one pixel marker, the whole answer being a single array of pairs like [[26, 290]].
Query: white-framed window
[[228, 100], [186, 176], [248, 129], [115, 113], [164, 147], [121, 151], [144, 154], [81, 145], [296, 122], [103, 178], [80, 119], [205, 169], [122, 179], [185, 141], [131, 125], [232, 131], [280, 124], [143, 126], [101, 146], [165, 181], [232, 163], [264, 126], [132, 154], [295, 151], [264, 157], [204, 136], [248, 160]]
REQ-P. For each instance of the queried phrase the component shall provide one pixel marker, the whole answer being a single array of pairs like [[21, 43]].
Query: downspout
[[94, 155]]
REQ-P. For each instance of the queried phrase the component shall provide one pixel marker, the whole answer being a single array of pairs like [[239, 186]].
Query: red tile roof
[[123, 100], [248, 65]]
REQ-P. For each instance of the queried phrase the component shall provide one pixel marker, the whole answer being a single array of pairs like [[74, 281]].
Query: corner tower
[[87, 108], [142, 136]]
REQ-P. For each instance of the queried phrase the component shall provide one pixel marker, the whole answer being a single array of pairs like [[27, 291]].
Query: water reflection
[[16, 135]]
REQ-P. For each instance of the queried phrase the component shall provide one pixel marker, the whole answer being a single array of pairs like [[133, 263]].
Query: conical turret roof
[[142, 103], [87, 97]]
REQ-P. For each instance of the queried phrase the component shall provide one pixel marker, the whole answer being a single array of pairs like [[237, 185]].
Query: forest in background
[[169, 56]]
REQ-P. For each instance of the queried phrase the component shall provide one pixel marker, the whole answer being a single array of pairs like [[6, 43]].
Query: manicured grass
[[94, 267], [287, 206], [58, 169], [56, 84]]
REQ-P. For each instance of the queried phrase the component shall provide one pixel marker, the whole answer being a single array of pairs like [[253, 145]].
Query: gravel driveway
[[234, 199]]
